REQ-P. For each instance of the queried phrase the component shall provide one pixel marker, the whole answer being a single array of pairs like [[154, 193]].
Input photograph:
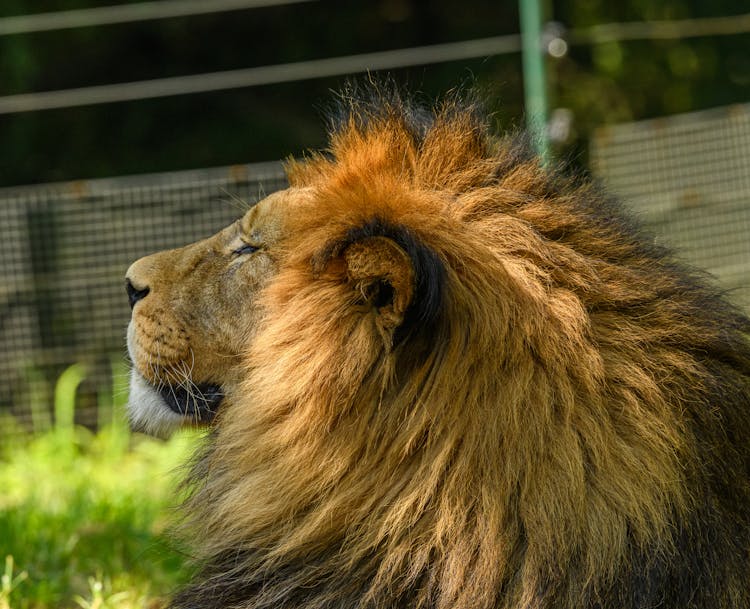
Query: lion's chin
[[162, 411], [148, 411]]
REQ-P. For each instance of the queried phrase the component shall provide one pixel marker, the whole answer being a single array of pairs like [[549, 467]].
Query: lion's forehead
[[269, 219]]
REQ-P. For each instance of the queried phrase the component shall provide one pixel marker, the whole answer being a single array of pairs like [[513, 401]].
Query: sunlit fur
[[565, 424]]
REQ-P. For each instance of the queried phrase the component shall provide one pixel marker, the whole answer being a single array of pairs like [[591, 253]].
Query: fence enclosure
[[688, 178]]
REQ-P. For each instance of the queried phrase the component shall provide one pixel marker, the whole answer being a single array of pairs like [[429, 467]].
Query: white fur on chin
[[147, 410]]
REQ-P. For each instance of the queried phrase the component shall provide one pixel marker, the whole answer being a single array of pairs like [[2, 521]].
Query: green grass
[[85, 518]]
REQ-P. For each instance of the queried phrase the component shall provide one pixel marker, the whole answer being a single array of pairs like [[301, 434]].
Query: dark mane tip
[[368, 104]]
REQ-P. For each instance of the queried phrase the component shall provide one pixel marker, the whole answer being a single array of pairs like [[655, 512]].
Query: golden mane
[[560, 421]]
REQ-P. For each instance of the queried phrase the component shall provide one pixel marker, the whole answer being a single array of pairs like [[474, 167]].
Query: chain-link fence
[[688, 177], [65, 249]]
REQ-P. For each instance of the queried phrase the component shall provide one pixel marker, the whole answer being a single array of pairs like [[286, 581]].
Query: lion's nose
[[135, 294]]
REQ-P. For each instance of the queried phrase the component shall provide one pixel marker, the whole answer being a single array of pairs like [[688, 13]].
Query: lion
[[437, 373]]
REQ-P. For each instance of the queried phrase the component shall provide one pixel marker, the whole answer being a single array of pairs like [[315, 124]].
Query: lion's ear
[[382, 274], [393, 274]]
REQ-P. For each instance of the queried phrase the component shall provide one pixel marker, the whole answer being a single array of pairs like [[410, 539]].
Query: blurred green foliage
[[89, 519], [600, 83], [85, 522], [630, 80], [84, 516]]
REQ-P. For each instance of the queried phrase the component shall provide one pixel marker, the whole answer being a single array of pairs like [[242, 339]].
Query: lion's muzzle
[[168, 387]]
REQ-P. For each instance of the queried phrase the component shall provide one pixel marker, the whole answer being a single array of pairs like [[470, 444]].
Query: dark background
[[600, 83]]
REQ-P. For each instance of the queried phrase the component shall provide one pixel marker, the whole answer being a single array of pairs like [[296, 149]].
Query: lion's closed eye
[[245, 249]]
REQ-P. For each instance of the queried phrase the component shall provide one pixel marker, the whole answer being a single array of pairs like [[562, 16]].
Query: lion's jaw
[[194, 311], [149, 411]]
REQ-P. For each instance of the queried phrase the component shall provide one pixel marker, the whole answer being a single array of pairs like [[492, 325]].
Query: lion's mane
[[562, 419]]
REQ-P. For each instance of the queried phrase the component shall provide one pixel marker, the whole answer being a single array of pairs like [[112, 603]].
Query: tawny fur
[[567, 426]]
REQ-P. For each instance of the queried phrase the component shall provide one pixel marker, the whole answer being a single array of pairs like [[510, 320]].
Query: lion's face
[[194, 311]]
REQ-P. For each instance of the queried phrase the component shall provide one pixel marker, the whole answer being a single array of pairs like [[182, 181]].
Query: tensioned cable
[[263, 75], [352, 64], [651, 30], [126, 13]]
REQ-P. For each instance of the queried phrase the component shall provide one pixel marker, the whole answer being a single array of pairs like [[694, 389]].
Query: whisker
[[235, 200]]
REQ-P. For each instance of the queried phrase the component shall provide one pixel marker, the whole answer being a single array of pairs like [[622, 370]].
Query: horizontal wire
[[126, 13], [352, 64], [653, 30], [262, 75]]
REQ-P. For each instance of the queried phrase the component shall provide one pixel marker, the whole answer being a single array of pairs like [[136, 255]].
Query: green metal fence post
[[534, 77]]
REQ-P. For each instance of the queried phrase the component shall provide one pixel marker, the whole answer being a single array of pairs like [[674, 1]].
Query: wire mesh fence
[[688, 177], [65, 249]]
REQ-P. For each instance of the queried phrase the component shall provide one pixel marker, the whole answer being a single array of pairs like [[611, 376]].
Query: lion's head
[[440, 375], [195, 310]]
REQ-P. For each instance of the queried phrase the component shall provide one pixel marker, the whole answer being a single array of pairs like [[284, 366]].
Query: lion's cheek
[[226, 330]]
